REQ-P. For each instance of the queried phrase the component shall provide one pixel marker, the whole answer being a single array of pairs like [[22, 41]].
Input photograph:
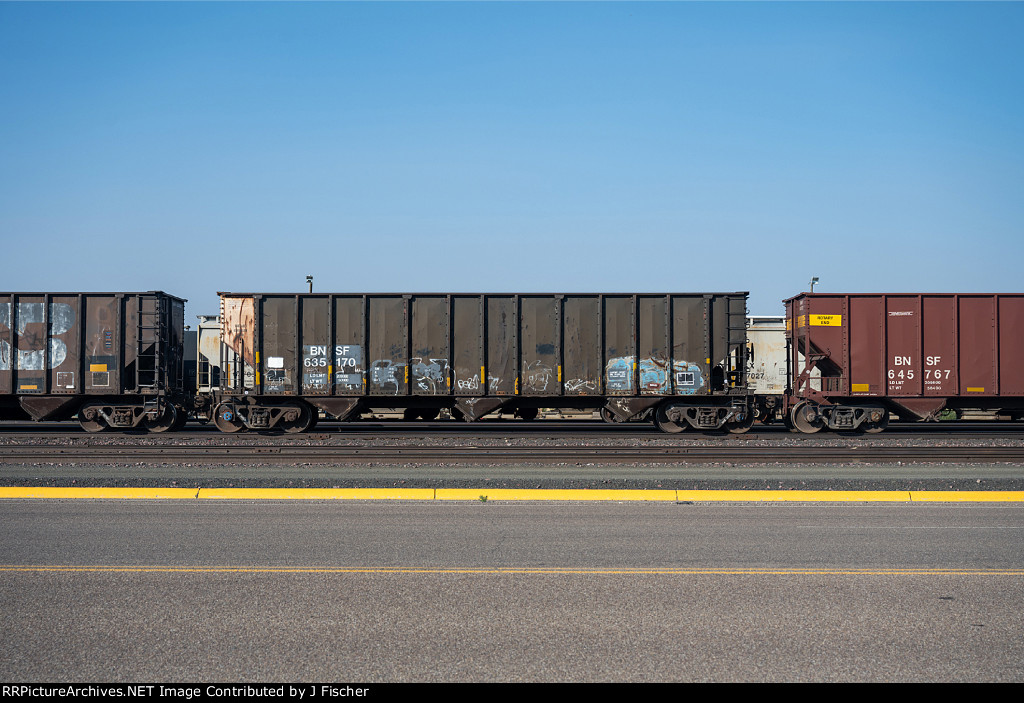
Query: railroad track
[[561, 431], [468, 455]]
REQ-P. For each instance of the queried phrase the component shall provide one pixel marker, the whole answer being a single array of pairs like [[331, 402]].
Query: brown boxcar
[[112, 359], [677, 356], [909, 354]]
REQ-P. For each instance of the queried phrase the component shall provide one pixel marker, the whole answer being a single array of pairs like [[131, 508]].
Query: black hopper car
[[679, 357], [110, 359]]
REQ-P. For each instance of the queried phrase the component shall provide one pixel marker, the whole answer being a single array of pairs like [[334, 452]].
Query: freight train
[[273, 361]]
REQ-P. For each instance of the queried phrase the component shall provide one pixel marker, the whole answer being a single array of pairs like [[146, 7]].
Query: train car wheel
[[302, 423], [663, 423], [163, 422], [91, 420], [180, 420], [429, 414], [527, 413], [741, 426], [610, 417], [876, 427], [805, 418], [225, 420]]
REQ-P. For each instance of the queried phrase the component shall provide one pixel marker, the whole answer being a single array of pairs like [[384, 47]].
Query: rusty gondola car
[[679, 358], [114, 360], [856, 359]]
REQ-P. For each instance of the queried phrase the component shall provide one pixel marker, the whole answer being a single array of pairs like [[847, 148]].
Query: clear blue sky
[[482, 147]]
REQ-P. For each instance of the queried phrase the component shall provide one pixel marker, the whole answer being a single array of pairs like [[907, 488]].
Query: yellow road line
[[509, 494], [101, 492], [552, 494], [966, 496], [814, 496], [317, 493], [510, 571]]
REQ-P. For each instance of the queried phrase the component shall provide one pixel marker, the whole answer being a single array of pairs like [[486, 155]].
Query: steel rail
[[550, 430]]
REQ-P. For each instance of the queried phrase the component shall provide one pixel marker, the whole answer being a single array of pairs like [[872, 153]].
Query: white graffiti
[[431, 377], [538, 376], [469, 384], [575, 385], [33, 360], [62, 316]]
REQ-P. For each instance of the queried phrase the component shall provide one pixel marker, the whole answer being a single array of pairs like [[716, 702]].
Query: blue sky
[[197, 147]]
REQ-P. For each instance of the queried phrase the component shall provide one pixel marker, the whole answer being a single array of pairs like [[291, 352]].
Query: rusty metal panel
[[349, 346], [938, 322], [316, 345], [866, 345], [238, 334], [502, 345], [619, 345], [278, 363], [652, 344], [690, 365], [582, 368], [102, 344], [429, 371], [388, 345], [468, 367], [904, 371], [539, 340], [977, 363], [1011, 345]]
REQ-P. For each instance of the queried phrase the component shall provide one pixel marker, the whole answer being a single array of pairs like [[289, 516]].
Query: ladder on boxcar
[[736, 321], [150, 369]]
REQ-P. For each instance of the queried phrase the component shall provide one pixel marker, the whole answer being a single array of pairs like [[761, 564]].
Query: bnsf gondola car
[[680, 357], [857, 359], [111, 359]]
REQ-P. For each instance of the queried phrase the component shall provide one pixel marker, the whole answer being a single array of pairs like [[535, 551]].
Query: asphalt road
[[341, 591]]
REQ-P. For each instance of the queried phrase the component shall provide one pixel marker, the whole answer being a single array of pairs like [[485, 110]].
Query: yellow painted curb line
[[551, 494], [317, 493], [82, 492], [813, 496], [511, 494], [967, 496]]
